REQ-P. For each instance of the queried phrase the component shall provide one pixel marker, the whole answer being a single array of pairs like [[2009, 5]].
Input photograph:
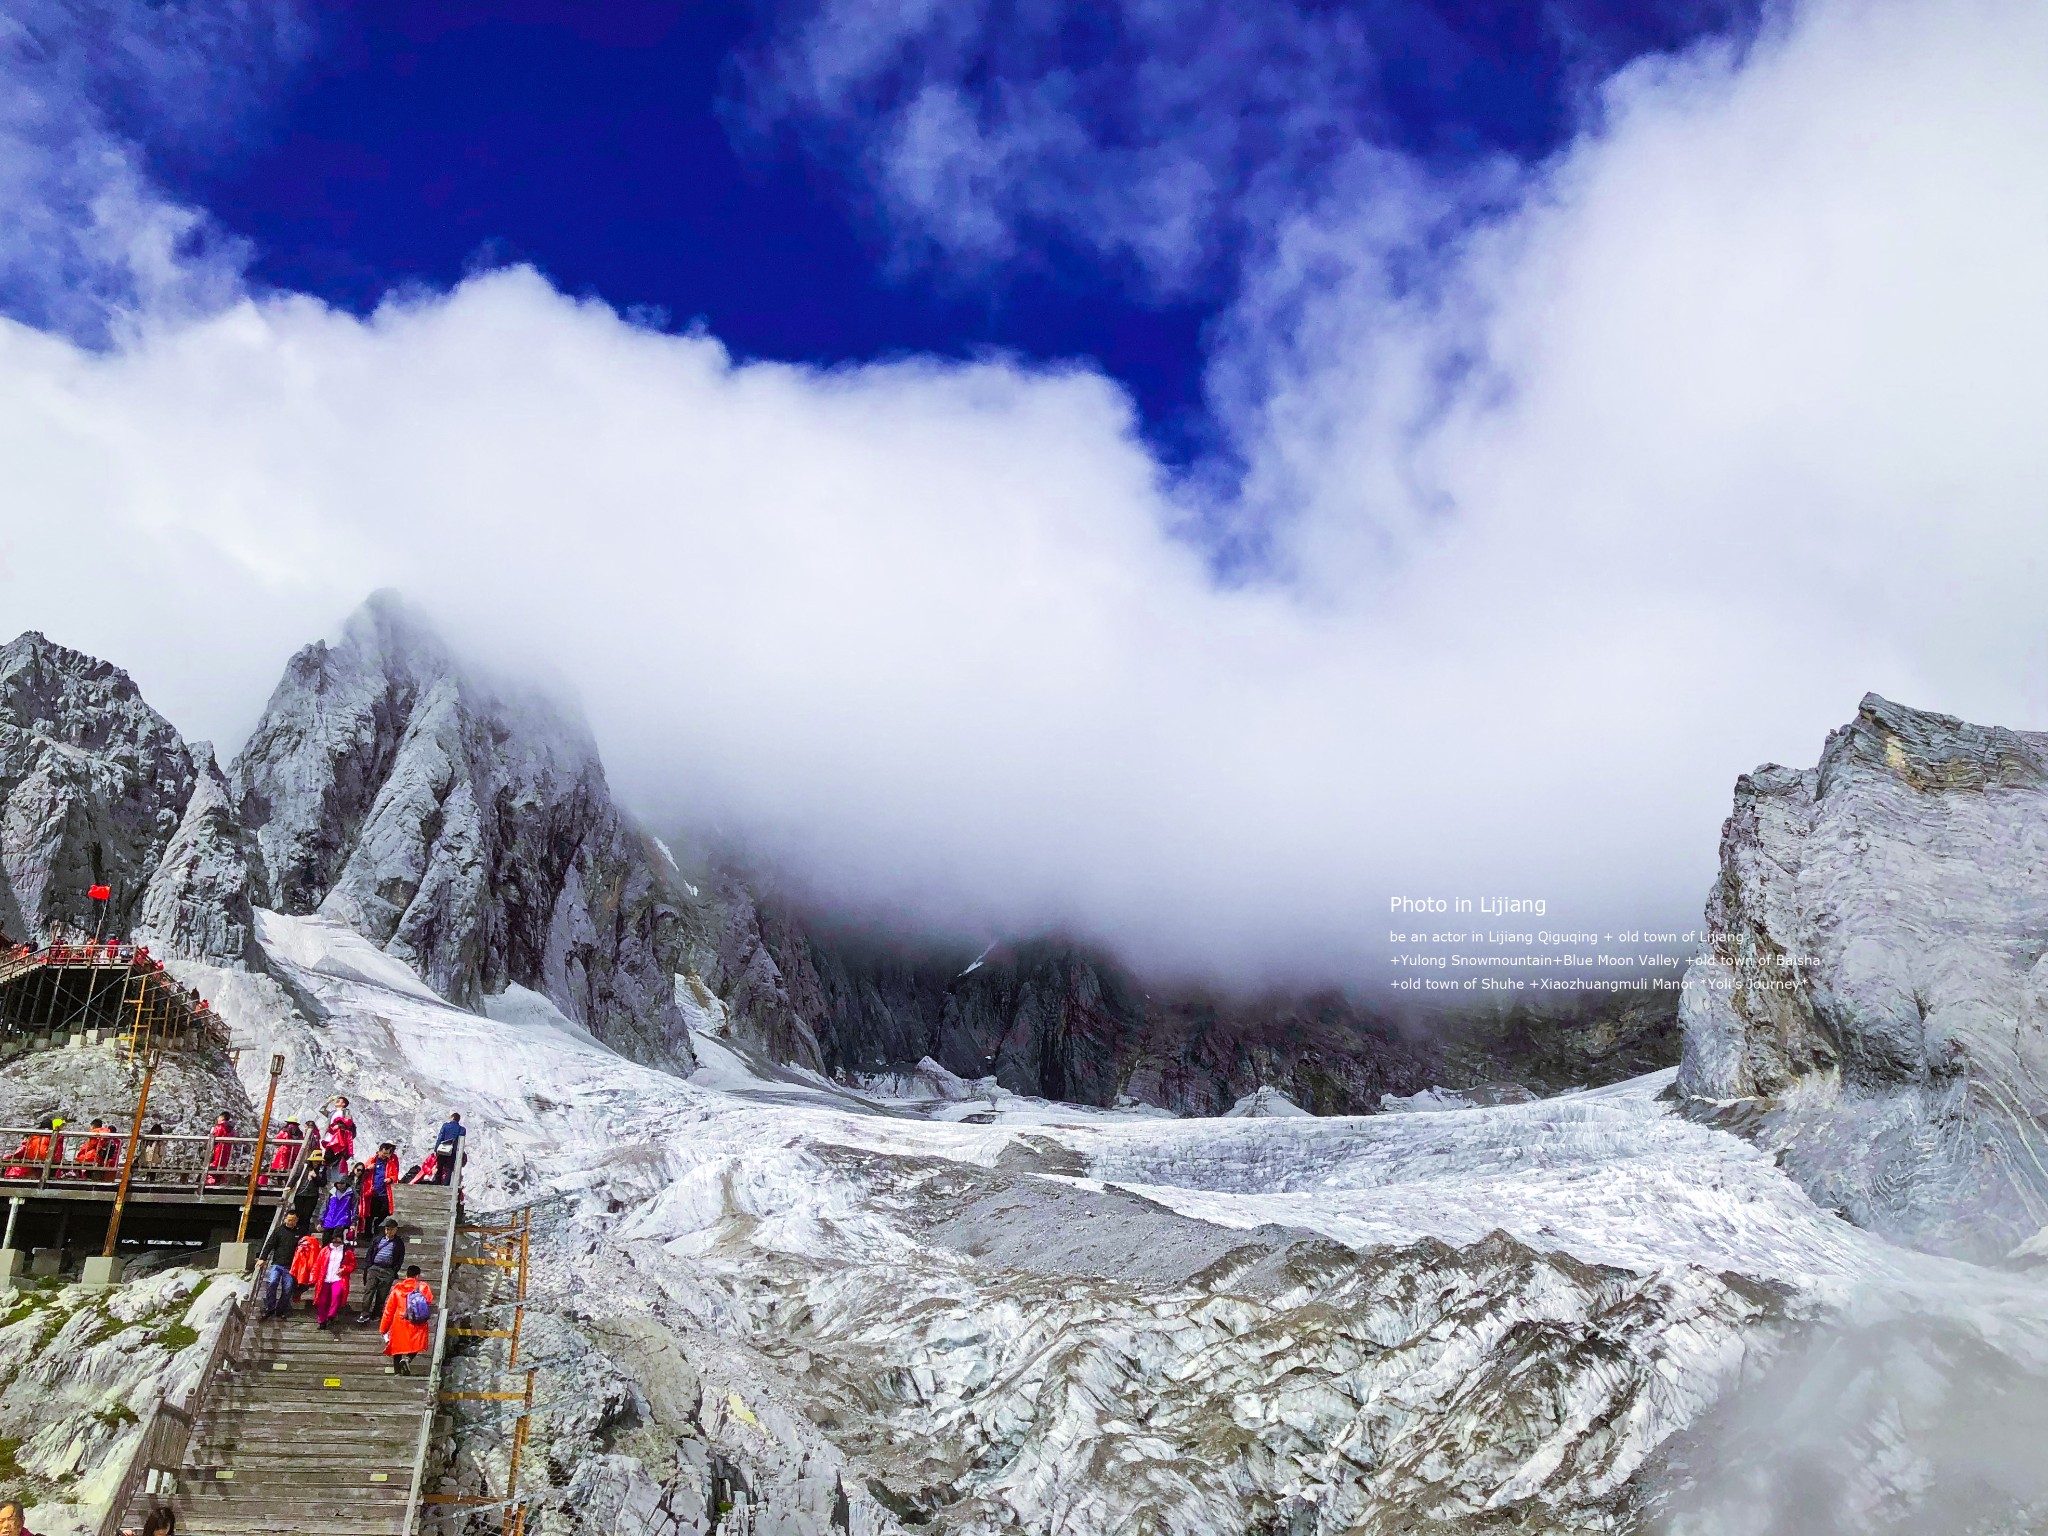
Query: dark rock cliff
[[1060, 1020]]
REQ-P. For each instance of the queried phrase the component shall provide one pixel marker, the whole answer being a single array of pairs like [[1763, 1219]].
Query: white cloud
[[1734, 414], [1158, 137], [88, 242]]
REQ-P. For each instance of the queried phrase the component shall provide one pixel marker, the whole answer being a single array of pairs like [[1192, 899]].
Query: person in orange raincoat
[[408, 1311], [305, 1264], [34, 1150], [101, 1151]]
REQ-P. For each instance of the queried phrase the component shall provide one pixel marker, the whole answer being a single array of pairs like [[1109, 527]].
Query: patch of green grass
[[115, 1415], [10, 1469], [178, 1336], [107, 1327], [26, 1304]]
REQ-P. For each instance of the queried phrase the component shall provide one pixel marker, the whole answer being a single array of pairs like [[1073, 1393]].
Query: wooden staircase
[[311, 1432]]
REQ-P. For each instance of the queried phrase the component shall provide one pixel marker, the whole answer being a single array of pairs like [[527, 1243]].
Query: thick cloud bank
[[1569, 516]]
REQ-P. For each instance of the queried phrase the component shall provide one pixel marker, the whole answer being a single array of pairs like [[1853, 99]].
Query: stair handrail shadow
[[167, 1429]]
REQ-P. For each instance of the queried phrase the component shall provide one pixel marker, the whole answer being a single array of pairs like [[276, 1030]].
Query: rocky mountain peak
[[1873, 999], [201, 902], [464, 826], [92, 784]]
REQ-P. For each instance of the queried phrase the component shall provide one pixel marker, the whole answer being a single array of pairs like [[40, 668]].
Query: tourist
[[160, 1521], [305, 1264], [288, 1141], [337, 1264], [446, 1146], [387, 1258], [381, 1176], [88, 1153], [100, 1152], [274, 1263], [152, 1154], [406, 1313], [222, 1146], [341, 1136], [424, 1174], [339, 1214], [11, 1520], [36, 1149]]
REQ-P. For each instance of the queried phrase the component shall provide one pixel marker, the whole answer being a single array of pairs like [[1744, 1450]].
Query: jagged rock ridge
[[1873, 1001], [92, 785], [1051, 1018], [465, 827], [201, 902]]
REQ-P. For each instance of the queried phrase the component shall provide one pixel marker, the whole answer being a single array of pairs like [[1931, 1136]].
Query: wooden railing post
[[262, 1138], [128, 1160]]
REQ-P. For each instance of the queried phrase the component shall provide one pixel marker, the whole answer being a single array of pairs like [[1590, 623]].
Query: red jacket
[[348, 1263], [306, 1260]]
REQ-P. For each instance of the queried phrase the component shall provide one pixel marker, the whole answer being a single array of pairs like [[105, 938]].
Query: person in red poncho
[[408, 1312], [340, 1143], [305, 1264], [379, 1179], [287, 1147], [223, 1148]]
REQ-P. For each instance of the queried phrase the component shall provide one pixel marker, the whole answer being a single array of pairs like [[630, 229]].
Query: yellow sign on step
[[224, 1474], [380, 1477], [279, 1365], [332, 1381]]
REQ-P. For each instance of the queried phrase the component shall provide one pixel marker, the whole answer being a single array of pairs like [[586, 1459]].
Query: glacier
[[1547, 1316]]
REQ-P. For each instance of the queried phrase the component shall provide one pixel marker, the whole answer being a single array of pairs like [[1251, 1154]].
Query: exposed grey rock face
[[190, 1088], [92, 784], [463, 826], [200, 904], [1873, 1001], [754, 959], [1053, 1019]]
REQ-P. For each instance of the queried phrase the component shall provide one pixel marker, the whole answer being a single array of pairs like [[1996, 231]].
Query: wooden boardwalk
[[302, 1432]]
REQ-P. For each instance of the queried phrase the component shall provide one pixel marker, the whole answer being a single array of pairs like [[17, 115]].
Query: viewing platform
[[70, 1187], [63, 994]]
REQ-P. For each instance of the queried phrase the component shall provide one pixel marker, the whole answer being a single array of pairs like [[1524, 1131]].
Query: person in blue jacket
[[339, 1213], [446, 1146]]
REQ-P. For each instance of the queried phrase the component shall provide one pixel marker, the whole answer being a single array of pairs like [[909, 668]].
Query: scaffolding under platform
[[85, 993]]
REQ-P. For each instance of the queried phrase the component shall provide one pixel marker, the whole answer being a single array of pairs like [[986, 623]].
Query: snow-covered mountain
[[1582, 1314], [814, 1210]]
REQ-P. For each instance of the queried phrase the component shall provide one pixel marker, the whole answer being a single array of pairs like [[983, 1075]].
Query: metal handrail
[[152, 1449], [152, 1172], [419, 1456]]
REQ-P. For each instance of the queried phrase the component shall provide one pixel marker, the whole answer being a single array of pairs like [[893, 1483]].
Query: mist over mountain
[[464, 825]]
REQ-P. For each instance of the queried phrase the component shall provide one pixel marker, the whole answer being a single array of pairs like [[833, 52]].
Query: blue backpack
[[417, 1307]]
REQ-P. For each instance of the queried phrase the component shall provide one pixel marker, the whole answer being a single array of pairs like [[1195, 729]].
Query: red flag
[[100, 892]]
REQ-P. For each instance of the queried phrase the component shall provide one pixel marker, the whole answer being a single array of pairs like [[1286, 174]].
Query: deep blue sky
[[587, 137]]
